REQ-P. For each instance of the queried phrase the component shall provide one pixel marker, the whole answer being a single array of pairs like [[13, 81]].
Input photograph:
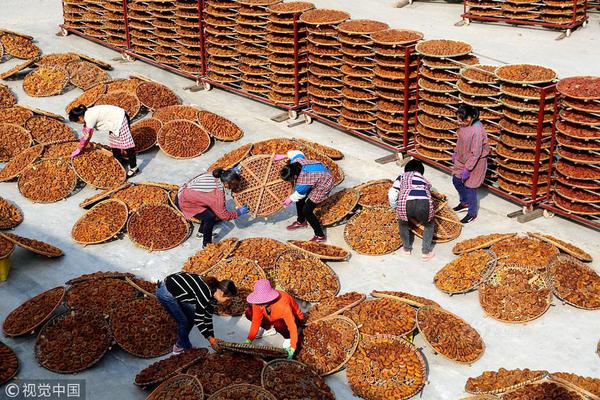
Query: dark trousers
[[278, 324], [131, 157], [182, 313], [417, 210], [306, 212], [467, 195], [207, 223]]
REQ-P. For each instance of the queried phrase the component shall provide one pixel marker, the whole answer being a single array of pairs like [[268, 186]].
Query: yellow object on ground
[[4, 268]]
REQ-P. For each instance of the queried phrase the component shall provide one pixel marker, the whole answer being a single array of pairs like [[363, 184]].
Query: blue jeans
[[182, 313], [467, 195]]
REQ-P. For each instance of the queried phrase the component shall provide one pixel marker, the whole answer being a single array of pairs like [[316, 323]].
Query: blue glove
[[236, 169], [465, 174], [242, 210], [290, 352]]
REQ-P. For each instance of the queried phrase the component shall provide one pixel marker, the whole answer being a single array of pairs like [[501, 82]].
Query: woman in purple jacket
[[470, 160]]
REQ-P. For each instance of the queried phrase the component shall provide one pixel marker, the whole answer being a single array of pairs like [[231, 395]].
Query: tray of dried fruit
[[515, 294], [305, 277], [466, 273], [60, 180], [373, 231], [333, 306], [143, 328], [525, 251], [404, 365], [182, 139], [166, 368], [293, 380], [573, 282], [503, 380], [408, 298], [447, 225], [383, 316], [564, 246], [157, 228], [101, 223], [181, 386], [480, 242], [337, 206], [99, 294], [210, 255], [242, 391], [588, 387], [98, 275], [27, 317], [219, 370], [327, 345], [449, 335], [36, 246], [253, 349], [320, 250], [9, 364], [72, 342]]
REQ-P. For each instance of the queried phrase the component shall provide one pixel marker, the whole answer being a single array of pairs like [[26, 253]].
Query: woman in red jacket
[[203, 198]]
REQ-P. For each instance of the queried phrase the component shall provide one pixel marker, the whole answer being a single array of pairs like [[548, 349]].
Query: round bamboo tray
[[99, 185], [69, 186], [173, 245], [428, 340], [20, 241], [322, 211], [561, 258], [395, 245], [502, 389], [468, 49], [566, 247], [254, 350], [339, 311], [500, 71], [297, 244], [184, 361], [484, 275], [177, 382], [109, 235], [105, 194], [560, 87], [34, 325], [34, 153], [239, 391], [6, 353]]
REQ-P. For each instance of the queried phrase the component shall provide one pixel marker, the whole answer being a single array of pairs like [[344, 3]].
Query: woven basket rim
[[457, 54], [41, 146], [17, 242], [585, 257], [560, 258], [565, 118], [484, 275], [113, 234], [501, 68], [504, 389], [165, 385], [320, 256], [572, 386], [103, 195], [252, 349], [341, 310], [354, 203]]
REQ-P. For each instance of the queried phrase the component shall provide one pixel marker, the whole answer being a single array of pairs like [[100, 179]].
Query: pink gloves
[[287, 202], [82, 143], [278, 157]]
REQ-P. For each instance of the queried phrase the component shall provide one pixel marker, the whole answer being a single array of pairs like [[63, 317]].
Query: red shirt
[[192, 202]]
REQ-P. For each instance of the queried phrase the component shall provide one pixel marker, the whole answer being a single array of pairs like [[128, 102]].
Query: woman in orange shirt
[[270, 308]]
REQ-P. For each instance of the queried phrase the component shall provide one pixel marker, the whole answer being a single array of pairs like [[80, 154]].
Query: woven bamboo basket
[[103, 195], [500, 71], [296, 245], [16, 240], [98, 275], [39, 151], [177, 381], [485, 274], [33, 327], [341, 310], [12, 353], [112, 234], [184, 221], [574, 387], [254, 350], [122, 172], [181, 367], [232, 392], [71, 187], [505, 389], [580, 254], [560, 258]]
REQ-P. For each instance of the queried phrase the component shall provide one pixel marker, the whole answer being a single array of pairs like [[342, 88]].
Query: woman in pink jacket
[[203, 198], [470, 160]]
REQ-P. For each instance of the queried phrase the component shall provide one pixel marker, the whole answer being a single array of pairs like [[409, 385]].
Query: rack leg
[[62, 32], [207, 86], [463, 22], [293, 114], [308, 119]]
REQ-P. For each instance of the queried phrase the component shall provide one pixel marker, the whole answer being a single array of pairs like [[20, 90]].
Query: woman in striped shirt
[[469, 160], [203, 198], [410, 196], [190, 299]]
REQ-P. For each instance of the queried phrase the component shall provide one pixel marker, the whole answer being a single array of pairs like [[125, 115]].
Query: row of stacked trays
[[523, 86], [222, 42], [100, 19], [395, 59], [324, 61], [441, 62], [577, 171], [556, 12], [288, 53], [359, 100], [167, 32]]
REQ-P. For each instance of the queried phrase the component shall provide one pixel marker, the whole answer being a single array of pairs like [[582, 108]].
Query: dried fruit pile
[[465, 273], [327, 345], [337, 206], [9, 364], [18, 46], [578, 137], [10, 215], [72, 342], [590, 384], [515, 294], [13, 140], [543, 390], [219, 127], [157, 228], [45, 81], [264, 251], [333, 306], [524, 251], [103, 222], [183, 387], [100, 296], [168, 367], [374, 193], [210, 255], [34, 312], [47, 181], [232, 158], [155, 96], [99, 275], [85, 74], [373, 231], [408, 298], [219, 370], [261, 187], [386, 367], [480, 242], [502, 380], [20, 162], [36, 246], [320, 250], [98, 168], [45, 129], [305, 277], [288, 379], [145, 133], [242, 391], [136, 196], [450, 335], [575, 283], [183, 139], [383, 316], [144, 328]]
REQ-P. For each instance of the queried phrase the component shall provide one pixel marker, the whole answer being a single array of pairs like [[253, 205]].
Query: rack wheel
[[207, 86], [308, 119], [568, 32], [548, 214], [63, 32], [526, 210], [585, 23], [126, 57], [293, 114], [467, 22]]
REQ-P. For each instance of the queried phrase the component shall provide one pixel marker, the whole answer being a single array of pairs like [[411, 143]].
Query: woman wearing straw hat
[[190, 300], [313, 182], [272, 309]]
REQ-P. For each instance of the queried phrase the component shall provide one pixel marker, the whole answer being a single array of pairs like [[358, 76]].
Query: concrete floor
[[563, 339]]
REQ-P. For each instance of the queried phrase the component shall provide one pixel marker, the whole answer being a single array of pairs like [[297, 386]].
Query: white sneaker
[[286, 343], [404, 253], [262, 333]]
